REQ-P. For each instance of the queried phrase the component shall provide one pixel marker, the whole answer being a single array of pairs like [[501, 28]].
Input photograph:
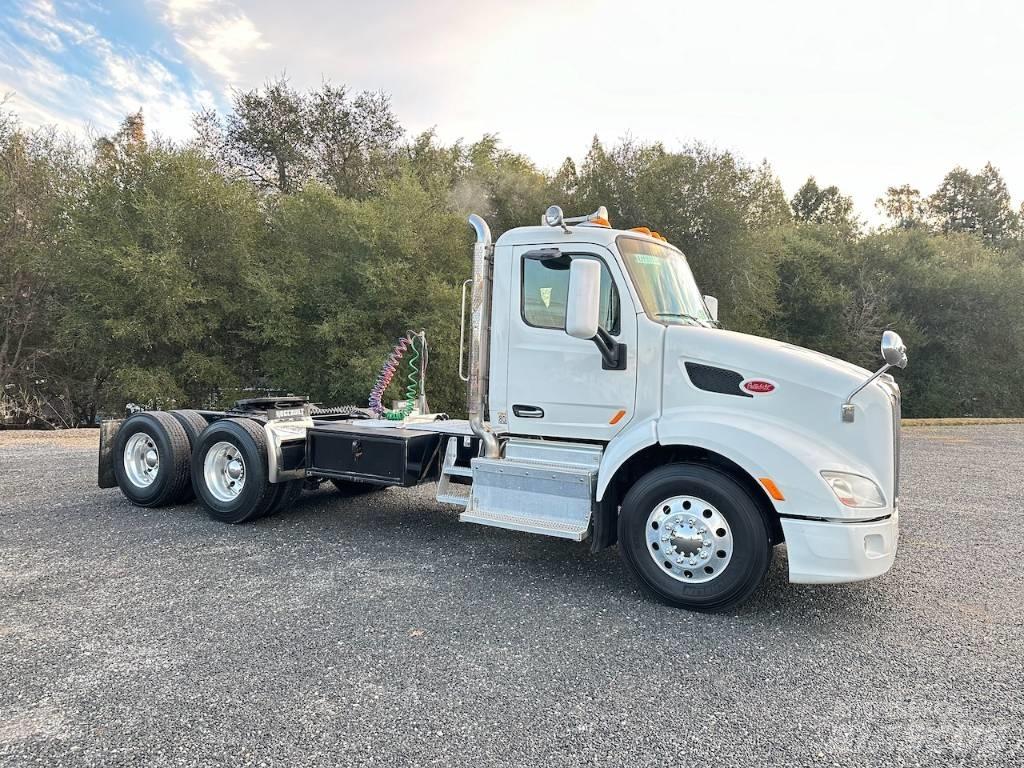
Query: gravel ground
[[380, 631]]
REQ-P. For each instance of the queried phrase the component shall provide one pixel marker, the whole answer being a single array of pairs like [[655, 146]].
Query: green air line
[[412, 389]]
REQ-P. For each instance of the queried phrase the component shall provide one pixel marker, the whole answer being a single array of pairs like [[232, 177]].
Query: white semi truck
[[604, 403]]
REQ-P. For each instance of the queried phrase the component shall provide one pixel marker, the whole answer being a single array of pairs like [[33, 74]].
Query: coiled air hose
[[414, 388]]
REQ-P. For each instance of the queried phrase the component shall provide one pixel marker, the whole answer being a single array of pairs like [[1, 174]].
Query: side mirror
[[894, 351], [712, 304], [583, 310], [583, 313]]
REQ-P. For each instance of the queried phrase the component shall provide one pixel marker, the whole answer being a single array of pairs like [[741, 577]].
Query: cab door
[[559, 386]]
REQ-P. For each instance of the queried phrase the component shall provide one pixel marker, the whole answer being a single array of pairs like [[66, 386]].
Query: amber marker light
[[772, 488]]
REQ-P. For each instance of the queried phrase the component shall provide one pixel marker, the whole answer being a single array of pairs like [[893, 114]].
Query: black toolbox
[[380, 455]]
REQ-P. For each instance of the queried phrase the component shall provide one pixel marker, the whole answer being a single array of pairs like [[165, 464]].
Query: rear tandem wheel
[[229, 472], [151, 459]]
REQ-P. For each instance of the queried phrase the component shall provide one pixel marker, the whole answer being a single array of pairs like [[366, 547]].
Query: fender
[[633, 439], [762, 446]]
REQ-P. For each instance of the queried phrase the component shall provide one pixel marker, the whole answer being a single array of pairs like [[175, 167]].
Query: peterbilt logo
[[757, 386]]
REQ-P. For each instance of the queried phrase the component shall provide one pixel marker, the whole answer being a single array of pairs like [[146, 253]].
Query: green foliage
[[279, 138], [977, 203], [297, 238], [813, 205], [904, 207]]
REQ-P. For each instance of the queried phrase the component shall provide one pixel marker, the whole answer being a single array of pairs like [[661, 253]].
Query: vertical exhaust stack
[[480, 335]]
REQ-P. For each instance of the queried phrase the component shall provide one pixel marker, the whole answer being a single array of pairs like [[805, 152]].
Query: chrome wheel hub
[[224, 471], [689, 539], [141, 460]]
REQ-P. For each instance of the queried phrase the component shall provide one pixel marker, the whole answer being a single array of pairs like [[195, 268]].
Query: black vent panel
[[720, 380]]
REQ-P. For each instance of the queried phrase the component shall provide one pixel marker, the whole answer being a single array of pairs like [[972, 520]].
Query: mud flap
[[108, 432]]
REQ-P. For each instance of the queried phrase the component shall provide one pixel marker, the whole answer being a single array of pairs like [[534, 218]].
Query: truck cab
[[709, 447]]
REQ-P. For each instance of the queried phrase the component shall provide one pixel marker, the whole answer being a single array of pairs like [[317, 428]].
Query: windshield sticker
[[646, 258]]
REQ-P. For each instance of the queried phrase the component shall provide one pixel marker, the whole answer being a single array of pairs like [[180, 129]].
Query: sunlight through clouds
[[61, 69], [863, 95], [213, 35]]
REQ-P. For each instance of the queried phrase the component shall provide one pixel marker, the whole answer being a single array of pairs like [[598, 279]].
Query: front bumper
[[834, 553]]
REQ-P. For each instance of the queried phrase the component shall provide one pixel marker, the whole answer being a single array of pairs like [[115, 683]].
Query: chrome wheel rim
[[141, 460], [224, 471], [689, 539]]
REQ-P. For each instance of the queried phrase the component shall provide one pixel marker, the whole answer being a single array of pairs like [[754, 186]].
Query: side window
[[546, 290]]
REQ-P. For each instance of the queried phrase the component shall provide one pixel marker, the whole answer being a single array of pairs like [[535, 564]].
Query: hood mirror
[[894, 351]]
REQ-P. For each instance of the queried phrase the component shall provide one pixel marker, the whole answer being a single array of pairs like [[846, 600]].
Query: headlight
[[854, 490]]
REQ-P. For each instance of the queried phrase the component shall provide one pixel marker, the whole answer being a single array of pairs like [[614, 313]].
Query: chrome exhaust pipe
[[480, 336]]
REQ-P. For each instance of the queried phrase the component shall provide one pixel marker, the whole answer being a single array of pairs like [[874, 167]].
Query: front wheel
[[694, 537]]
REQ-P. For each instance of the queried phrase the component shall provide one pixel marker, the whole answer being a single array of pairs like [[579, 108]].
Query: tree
[[352, 141], [975, 203], [903, 206], [39, 185], [265, 139], [813, 205], [300, 235], [278, 138], [167, 282]]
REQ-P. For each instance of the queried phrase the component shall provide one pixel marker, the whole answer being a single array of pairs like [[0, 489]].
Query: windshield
[[664, 281]]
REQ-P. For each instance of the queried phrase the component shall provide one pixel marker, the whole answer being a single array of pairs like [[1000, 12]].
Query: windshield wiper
[[682, 315]]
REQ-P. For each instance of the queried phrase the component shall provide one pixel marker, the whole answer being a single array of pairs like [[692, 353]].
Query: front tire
[[229, 471], [694, 537]]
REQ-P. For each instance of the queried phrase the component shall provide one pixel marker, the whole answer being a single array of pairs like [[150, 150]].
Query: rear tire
[[193, 423], [694, 538], [151, 459], [229, 471], [288, 493]]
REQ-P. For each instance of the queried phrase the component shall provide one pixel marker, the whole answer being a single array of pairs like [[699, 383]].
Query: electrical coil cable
[[352, 411], [414, 388]]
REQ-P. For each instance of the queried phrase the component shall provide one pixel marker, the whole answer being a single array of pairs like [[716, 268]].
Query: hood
[[757, 357]]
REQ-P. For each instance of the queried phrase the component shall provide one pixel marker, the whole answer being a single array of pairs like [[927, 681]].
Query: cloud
[[216, 37], [43, 17], [64, 71]]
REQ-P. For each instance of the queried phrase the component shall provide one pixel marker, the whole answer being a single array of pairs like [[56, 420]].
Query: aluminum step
[[575, 530], [451, 498], [554, 500], [447, 491]]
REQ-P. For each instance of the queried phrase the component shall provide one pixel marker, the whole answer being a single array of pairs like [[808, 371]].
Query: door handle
[[528, 411]]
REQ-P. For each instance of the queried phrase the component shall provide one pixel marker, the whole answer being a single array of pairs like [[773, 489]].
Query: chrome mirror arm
[[848, 411]]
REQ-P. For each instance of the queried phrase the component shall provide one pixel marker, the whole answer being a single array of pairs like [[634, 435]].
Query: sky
[[862, 94]]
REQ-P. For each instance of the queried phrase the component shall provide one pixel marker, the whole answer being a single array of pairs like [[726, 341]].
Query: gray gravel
[[380, 631]]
